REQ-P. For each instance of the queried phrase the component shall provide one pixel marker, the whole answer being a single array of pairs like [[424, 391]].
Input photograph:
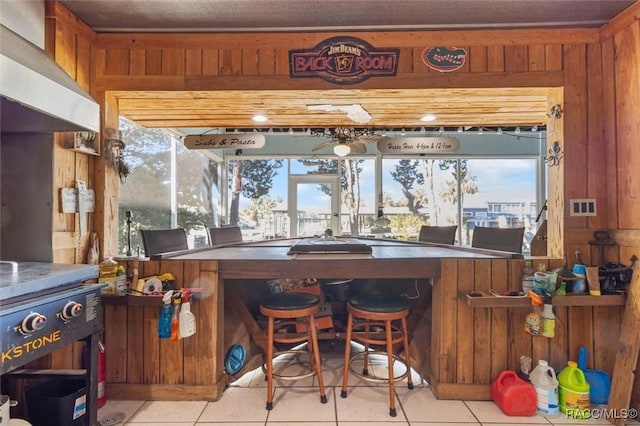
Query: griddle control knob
[[71, 310], [33, 322]]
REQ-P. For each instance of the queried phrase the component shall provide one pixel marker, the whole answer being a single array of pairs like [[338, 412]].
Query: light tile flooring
[[298, 403]]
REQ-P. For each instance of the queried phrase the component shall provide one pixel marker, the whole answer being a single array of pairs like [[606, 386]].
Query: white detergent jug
[[545, 382]]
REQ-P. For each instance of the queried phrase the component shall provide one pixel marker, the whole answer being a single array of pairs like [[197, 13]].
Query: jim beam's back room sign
[[343, 60]]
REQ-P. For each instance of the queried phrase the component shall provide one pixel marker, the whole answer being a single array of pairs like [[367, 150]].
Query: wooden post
[[624, 370]]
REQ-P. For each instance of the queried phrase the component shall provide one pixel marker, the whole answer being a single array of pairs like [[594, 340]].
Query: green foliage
[[257, 176], [406, 226], [407, 174], [252, 178], [147, 193]]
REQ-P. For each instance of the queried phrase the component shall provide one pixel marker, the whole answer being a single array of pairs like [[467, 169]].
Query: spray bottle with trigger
[[548, 319], [164, 321], [187, 321], [177, 300]]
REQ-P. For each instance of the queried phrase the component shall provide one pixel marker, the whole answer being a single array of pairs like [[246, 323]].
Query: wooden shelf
[[131, 300], [587, 300], [485, 300]]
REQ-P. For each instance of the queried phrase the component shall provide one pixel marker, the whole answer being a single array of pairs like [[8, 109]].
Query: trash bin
[[61, 402]]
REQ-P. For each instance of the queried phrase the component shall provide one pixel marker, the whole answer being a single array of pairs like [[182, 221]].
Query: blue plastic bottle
[[164, 321]]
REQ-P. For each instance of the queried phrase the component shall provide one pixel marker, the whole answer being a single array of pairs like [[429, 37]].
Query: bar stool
[[292, 307], [377, 310]]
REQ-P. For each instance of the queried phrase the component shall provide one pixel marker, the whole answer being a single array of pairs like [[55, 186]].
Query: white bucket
[[5, 410]]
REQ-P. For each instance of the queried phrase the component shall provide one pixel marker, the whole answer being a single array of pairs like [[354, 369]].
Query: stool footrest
[[374, 379], [301, 376]]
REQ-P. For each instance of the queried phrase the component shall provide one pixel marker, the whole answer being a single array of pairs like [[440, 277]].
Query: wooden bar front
[[457, 348]]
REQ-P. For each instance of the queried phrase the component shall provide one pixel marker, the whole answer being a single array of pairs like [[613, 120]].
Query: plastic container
[[599, 380], [514, 396], [552, 282], [527, 277], [60, 402], [121, 281], [579, 285], [573, 391], [548, 321], [540, 283], [107, 271], [544, 380]]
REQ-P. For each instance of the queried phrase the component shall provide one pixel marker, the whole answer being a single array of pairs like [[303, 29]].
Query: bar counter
[[456, 348]]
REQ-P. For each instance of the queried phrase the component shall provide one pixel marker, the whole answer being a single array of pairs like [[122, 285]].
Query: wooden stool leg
[[407, 357], [347, 355], [365, 365], [270, 363], [392, 394], [310, 346], [316, 355]]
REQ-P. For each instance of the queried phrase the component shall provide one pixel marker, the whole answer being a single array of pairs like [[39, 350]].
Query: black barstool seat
[[290, 301], [379, 303]]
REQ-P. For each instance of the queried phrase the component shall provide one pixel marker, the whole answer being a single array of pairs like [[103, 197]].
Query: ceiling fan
[[346, 140]]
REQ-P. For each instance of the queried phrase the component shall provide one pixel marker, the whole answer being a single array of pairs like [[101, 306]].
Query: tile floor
[[298, 403]]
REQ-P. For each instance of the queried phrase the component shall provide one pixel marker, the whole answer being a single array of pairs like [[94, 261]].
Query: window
[[170, 186], [505, 196], [418, 192], [495, 192], [167, 187]]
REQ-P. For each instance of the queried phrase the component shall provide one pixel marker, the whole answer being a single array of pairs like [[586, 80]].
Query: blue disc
[[234, 359]]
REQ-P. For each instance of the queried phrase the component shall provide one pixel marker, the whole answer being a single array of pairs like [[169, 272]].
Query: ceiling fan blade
[[322, 145], [358, 147], [370, 139]]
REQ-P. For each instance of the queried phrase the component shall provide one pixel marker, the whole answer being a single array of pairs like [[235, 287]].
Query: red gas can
[[514, 396]]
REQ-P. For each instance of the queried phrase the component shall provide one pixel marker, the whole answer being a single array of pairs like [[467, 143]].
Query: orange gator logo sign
[[343, 60]]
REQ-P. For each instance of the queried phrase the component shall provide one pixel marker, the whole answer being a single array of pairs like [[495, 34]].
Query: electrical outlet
[[582, 207]]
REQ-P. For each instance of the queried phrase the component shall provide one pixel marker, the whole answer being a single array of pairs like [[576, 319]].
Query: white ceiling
[[339, 15]]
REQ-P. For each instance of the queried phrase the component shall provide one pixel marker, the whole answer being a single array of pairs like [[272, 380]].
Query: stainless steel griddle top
[[22, 278]]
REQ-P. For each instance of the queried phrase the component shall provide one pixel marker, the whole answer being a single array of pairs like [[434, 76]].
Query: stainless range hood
[[37, 95]]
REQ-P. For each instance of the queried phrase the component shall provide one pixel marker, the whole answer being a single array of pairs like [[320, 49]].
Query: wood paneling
[[596, 69], [627, 77], [491, 340], [138, 359]]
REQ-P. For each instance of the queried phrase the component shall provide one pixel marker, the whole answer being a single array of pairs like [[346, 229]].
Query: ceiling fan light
[[428, 117], [341, 149]]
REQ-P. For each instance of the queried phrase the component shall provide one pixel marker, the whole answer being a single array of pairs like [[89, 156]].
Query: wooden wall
[[597, 68], [471, 346], [140, 365]]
